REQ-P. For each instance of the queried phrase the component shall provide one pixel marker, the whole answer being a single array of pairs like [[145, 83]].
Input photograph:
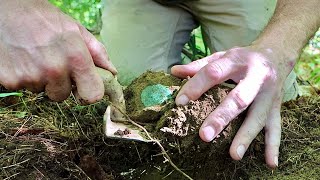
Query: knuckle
[[266, 69], [248, 136], [236, 53], [261, 120], [274, 129], [78, 62], [97, 46], [197, 63], [234, 50], [97, 49], [54, 71], [191, 92], [271, 75], [222, 119], [75, 58], [240, 102], [12, 84], [214, 71], [29, 78], [71, 27]]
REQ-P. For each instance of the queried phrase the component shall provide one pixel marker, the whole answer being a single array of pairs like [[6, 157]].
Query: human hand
[[43, 49], [260, 74]]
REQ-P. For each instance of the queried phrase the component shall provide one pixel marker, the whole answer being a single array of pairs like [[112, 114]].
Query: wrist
[[283, 59], [279, 47]]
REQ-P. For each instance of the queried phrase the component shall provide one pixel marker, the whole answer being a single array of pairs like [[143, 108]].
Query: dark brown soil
[[40, 139]]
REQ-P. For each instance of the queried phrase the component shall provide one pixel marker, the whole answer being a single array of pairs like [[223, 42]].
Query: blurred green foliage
[[308, 67], [88, 13], [315, 41]]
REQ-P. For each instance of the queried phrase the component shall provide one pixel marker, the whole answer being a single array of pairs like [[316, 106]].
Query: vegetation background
[[88, 13]]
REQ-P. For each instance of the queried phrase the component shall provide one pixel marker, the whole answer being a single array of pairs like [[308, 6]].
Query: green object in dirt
[[155, 95]]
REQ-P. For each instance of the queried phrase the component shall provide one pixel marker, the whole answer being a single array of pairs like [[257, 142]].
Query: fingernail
[[241, 150], [114, 68], [182, 100], [276, 161], [208, 133]]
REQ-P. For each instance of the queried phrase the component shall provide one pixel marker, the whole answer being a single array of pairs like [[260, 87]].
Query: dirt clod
[[41, 139]]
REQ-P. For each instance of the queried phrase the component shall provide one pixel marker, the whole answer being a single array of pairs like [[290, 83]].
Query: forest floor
[[41, 139]]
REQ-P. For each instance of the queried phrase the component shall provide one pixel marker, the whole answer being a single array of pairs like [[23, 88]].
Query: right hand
[[43, 49]]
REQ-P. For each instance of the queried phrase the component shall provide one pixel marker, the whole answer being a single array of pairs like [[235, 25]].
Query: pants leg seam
[[170, 43]]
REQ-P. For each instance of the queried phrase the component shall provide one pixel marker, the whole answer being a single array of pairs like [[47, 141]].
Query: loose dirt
[[41, 139]]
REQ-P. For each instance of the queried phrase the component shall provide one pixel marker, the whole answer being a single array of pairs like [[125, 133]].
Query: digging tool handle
[[115, 92]]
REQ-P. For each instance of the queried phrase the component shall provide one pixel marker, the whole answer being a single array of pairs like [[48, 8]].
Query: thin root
[[165, 154]]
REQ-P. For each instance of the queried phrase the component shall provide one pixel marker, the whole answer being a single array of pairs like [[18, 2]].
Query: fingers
[[252, 125], [82, 70], [213, 73], [273, 136], [26, 77], [78, 67], [67, 46], [36, 86], [89, 84], [235, 103], [32, 79], [97, 50], [58, 86], [258, 117], [192, 68]]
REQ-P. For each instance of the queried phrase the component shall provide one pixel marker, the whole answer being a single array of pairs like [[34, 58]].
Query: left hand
[[260, 74]]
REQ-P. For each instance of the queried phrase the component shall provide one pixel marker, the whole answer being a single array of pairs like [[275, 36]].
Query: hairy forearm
[[292, 25]]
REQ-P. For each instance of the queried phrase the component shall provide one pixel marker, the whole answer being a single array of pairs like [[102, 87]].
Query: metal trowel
[[115, 124], [122, 130]]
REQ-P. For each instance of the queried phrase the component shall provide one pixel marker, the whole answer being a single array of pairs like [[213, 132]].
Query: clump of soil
[[135, 107], [178, 127], [185, 120], [40, 139]]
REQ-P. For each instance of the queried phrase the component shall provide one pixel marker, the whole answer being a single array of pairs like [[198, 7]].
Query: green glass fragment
[[155, 95]]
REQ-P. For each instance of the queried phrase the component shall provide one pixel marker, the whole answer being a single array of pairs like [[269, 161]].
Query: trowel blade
[[118, 130]]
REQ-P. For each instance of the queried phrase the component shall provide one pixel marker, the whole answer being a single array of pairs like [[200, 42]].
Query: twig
[[21, 128], [17, 164], [14, 175], [165, 154], [168, 174], [42, 175], [81, 170], [137, 151], [75, 119]]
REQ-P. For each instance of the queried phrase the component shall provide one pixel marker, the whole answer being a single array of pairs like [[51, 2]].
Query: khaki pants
[[143, 35]]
